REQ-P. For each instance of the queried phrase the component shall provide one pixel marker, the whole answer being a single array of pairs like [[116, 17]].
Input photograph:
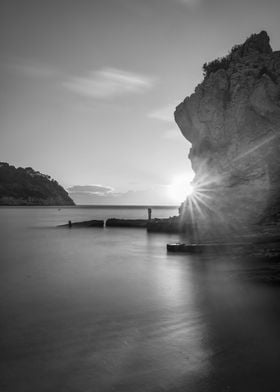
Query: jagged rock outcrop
[[233, 123], [19, 186]]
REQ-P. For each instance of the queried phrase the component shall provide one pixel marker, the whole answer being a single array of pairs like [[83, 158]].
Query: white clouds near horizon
[[109, 82], [105, 195], [91, 189]]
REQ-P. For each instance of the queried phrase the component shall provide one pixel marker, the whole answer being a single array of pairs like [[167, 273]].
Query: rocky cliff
[[233, 122], [29, 187]]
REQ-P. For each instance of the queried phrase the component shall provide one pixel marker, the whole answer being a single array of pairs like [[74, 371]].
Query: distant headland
[[27, 187]]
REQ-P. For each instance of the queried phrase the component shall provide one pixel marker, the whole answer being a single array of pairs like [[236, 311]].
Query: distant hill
[[19, 186]]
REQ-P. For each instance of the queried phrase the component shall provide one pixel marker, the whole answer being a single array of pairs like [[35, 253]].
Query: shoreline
[[98, 206]]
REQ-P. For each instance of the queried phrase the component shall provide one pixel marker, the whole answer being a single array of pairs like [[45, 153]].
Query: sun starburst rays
[[227, 199]]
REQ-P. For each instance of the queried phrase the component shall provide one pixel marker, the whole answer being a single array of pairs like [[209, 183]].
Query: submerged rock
[[233, 122], [168, 225], [89, 223], [114, 222]]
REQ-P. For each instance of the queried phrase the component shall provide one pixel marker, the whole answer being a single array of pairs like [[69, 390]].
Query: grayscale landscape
[[139, 196]]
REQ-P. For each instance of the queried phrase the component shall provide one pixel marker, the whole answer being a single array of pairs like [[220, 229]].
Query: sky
[[89, 87]]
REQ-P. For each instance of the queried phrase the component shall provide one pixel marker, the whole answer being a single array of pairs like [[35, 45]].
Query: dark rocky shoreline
[[262, 242], [168, 225]]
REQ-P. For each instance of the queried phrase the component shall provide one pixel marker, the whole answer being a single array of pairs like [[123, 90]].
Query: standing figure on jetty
[[149, 213]]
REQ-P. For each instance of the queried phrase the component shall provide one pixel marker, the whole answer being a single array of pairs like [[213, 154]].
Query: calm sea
[[97, 310]]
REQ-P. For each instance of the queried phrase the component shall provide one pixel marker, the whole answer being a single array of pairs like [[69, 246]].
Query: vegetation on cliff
[[256, 42], [25, 186]]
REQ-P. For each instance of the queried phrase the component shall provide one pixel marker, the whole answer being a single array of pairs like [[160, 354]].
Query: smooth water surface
[[109, 310]]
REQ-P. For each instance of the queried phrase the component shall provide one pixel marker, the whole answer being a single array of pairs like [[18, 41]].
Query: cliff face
[[233, 123], [29, 187]]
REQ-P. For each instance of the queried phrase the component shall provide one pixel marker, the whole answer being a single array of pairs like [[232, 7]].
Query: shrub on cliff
[[214, 66], [224, 62], [256, 42], [221, 62]]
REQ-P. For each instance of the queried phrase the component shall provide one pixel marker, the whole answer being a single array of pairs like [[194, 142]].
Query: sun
[[180, 188]]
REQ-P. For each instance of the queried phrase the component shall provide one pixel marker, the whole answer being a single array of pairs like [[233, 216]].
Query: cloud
[[30, 68], [173, 134], [99, 190], [189, 2], [103, 195], [165, 113], [37, 71], [109, 82]]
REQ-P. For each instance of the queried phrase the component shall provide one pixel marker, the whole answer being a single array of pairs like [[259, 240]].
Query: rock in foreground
[[233, 123]]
